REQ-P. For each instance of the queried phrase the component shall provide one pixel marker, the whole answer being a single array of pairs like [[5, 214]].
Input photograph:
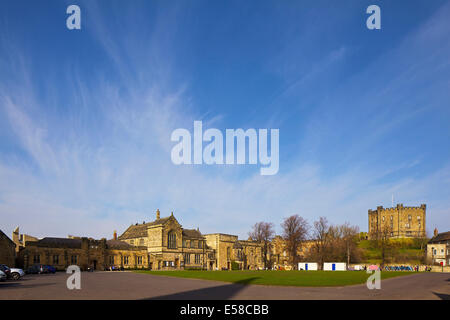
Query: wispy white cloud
[[87, 177]]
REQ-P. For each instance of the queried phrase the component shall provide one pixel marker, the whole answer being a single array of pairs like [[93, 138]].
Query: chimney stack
[[435, 232], [115, 235], [158, 216]]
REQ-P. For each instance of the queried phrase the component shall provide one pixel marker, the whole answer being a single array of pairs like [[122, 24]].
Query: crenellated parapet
[[398, 222]]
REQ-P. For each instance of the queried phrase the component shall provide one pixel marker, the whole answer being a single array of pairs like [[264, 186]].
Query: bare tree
[[295, 231], [383, 235], [348, 233], [263, 232], [322, 235]]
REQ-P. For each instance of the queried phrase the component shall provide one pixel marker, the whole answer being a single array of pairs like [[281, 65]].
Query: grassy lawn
[[280, 278]]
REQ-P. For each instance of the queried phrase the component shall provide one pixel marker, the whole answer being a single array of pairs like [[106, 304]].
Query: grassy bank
[[280, 278], [399, 251]]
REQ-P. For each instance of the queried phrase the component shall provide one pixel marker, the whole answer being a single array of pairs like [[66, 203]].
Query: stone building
[[162, 244], [280, 256], [84, 252], [169, 245], [229, 250], [21, 239], [7, 250], [438, 249], [398, 222]]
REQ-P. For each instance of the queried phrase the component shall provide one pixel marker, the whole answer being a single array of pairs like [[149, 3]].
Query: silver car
[[13, 273], [16, 273]]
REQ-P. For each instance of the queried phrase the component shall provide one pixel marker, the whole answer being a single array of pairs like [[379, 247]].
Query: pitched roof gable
[[122, 245], [192, 233], [6, 237], [140, 230], [444, 236]]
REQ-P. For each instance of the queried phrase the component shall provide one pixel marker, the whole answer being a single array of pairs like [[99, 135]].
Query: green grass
[[280, 278], [401, 251]]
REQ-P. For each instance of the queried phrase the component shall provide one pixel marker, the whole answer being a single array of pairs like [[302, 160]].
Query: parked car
[[2, 276], [17, 273], [50, 269], [12, 273], [5, 269], [36, 269], [41, 268]]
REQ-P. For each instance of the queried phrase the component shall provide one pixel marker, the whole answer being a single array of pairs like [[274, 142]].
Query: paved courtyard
[[129, 285]]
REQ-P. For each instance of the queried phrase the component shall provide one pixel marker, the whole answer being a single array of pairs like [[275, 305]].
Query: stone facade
[[84, 252], [280, 257], [7, 250], [399, 222], [170, 246], [21, 239], [438, 249], [162, 244], [232, 253]]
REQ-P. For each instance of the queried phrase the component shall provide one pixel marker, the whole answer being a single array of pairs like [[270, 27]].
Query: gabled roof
[[121, 245], [6, 237], [140, 230], [192, 233], [441, 237]]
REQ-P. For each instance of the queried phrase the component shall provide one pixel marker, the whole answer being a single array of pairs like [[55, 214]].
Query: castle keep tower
[[398, 222]]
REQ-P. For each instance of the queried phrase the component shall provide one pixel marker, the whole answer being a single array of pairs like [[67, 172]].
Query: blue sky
[[86, 115]]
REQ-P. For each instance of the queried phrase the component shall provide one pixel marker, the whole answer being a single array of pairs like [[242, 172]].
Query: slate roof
[[6, 237], [441, 237], [121, 245], [192, 233], [59, 243], [140, 230]]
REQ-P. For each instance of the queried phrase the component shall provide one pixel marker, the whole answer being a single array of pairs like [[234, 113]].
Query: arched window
[[172, 240]]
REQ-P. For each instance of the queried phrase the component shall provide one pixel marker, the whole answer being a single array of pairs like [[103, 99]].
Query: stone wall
[[7, 250]]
